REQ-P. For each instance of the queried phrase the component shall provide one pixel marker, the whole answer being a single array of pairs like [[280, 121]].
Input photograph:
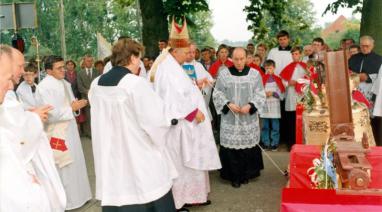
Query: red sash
[[287, 72], [277, 80], [215, 67], [257, 68]]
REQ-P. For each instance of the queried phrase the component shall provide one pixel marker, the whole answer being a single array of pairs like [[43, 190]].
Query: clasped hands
[[237, 109], [201, 83], [79, 104]]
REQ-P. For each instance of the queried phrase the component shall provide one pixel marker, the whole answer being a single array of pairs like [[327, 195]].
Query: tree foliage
[[83, 19], [269, 17], [352, 26], [371, 19], [334, 6]]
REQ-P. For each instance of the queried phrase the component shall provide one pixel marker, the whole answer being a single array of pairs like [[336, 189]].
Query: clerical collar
[[112, 77], [288, 48], [233, 70]]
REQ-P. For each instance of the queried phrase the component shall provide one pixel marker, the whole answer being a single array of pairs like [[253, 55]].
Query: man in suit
[[84, 79]]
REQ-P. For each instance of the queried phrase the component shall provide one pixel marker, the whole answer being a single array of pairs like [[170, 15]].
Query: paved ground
[[260, 195]]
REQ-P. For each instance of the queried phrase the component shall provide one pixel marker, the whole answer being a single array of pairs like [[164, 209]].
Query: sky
[[230, 20]]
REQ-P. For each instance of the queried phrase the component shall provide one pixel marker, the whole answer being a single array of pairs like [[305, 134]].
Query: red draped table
[[301, 197]]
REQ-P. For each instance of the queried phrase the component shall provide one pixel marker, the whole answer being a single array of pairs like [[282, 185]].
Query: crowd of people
[[157, 125]]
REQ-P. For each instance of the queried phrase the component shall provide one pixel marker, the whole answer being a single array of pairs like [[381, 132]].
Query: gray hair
[[367, 37], [5, 49]]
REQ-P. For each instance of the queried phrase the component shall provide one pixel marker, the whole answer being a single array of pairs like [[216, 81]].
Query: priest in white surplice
[[18, 190], [32, 157], [191, 142], [63, 132], [134, 171]]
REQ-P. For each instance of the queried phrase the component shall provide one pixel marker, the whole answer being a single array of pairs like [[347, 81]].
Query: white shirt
[[130, 127], [26, 96]]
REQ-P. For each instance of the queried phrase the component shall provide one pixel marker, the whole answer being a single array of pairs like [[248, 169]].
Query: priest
[[63, 133], [367, 65], [238, 96], [32, 157], [191, 141]]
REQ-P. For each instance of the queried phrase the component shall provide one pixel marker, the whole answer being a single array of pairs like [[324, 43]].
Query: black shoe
[[235, 184], [183, 210], [245, 181], [274, 148], [267, 148], [208, 202]]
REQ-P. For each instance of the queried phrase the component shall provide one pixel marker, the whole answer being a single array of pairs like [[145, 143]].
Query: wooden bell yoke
[[350, 159]]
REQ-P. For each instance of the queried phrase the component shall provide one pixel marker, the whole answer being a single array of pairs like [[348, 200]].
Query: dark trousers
[[87, 128], [163, 204], [283, 124], [376, 125], [290, 136]]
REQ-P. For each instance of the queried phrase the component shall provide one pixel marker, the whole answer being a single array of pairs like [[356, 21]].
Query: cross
[[57, 144]]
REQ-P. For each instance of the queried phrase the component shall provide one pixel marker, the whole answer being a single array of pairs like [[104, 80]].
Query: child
[[26, 89], [274, 89], [253, 62], [290, 74]]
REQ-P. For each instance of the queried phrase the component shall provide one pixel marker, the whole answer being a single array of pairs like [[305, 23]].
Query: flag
[[103, 47]]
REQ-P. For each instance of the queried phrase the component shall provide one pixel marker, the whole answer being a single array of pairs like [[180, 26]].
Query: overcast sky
[[230, 20]]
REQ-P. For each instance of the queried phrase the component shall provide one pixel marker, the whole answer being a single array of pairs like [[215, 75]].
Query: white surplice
[[33, 147], [281, 57], [129, 131], [18, 190], [191, 145], [377, 90], [26, 96], [291, 96], [201, 73], [51, 91]]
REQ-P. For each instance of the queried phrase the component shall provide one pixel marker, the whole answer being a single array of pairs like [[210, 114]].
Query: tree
[[156, 15], [267, 18], [352, 31], [83, 19], [371, 17], [200, 29]]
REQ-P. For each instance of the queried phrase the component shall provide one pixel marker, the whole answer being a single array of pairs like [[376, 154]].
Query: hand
[[245, 109], [269, 93], [199, 117], [292, 82], [42, 112], [363, 77], [234, 108], [200, 83], [78, 104]]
